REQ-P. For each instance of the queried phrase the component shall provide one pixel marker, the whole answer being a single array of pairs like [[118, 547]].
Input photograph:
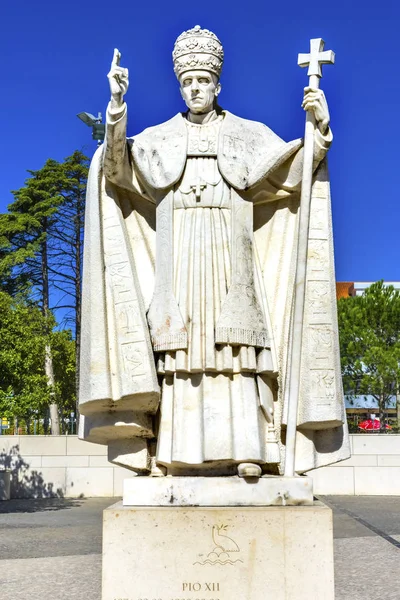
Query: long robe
[[210, 409], [214, 412]]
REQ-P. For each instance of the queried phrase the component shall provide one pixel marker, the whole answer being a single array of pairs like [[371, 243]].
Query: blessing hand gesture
[[118, 78]]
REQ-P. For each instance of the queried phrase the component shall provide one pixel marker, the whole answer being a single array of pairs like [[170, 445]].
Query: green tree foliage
[[41, 237], [23, 381], [41, 240], [369, 328], [23, 384], [27, 230], [64, 358], [24, 232], [67, 237]]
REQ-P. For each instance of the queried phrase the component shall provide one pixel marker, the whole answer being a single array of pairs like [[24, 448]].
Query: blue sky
[[56, 57]]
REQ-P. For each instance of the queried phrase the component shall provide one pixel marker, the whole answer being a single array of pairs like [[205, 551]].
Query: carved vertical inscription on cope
[[129, 329], [318, 310]]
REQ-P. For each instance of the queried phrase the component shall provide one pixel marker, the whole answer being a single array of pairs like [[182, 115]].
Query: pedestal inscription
[[241, 553]]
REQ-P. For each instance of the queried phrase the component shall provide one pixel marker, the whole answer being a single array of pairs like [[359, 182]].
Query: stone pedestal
[[218, 553], [218, 491]]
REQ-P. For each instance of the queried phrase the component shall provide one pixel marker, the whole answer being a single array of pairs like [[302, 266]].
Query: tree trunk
[[55, 421], [48, 361]]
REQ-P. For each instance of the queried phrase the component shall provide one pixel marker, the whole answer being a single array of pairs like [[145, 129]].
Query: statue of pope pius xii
[[190, 253]]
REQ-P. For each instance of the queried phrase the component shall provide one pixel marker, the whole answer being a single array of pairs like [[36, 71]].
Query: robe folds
[[189, 266]]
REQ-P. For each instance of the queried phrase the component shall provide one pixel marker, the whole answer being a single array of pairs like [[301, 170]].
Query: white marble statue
[[189, 268]]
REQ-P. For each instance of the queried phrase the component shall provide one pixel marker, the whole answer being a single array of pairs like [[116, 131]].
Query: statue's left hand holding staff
[[315, 101]]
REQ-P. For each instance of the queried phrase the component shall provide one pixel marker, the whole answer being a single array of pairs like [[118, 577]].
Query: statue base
[[218, 491], [247, 553]]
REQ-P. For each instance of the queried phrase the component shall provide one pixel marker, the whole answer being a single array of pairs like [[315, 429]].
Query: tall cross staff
[[313, 61]]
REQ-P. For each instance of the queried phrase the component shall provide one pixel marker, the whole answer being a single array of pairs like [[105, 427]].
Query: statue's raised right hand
[[118, 78]]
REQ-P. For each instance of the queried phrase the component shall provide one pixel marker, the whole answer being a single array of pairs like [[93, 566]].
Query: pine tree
[[27, 227], [68, 238], [41, 242]]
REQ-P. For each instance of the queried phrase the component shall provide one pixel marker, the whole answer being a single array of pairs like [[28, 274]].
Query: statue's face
[[199, 90]]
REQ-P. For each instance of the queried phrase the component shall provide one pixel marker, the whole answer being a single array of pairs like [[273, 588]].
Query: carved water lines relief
[[224, 549]]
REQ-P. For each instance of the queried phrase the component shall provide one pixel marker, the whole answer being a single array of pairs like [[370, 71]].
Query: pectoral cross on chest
[[202, 145], [198, 186]]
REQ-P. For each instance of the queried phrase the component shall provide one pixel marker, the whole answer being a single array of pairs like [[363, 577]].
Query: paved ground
[[366, 532], [51, 549]]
